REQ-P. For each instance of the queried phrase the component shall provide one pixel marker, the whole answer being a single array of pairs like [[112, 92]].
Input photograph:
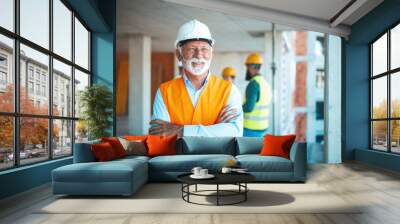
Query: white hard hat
[[194, 30]]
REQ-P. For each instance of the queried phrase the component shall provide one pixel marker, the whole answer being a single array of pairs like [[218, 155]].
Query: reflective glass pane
[[35, 21], [81, 81], [6, 74], [379, 55], [62, 89], [34, 94], [395, 138], [33, 140], [395, 47], [395, 94], [379, 135], [62, 138], [379, 97], [7, 14], [6, 142], [81, 131], [81, 45], [62, 29]]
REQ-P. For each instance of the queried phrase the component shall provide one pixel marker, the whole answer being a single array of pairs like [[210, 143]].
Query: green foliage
[[96, 102]]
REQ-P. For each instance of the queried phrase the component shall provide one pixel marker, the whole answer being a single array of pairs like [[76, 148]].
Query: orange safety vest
[[180, 107]]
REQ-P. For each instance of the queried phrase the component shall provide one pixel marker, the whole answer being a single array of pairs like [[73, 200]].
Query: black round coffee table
[[238, 179]]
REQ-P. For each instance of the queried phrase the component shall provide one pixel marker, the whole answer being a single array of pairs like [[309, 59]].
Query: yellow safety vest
[[258, 118]]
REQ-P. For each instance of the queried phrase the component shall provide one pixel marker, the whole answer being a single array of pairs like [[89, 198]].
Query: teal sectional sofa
[[125, 176]]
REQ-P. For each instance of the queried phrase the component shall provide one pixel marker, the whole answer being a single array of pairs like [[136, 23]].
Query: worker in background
[[229, 74], [198, 103], [258, 98]]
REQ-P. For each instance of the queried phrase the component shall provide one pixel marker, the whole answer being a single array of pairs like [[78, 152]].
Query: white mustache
[[205, 65]]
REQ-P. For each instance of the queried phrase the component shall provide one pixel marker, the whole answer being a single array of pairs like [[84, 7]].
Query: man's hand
[[227, 115], [160, 127]]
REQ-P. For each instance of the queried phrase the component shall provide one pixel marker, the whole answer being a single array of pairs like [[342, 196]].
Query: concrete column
[[333, 103], [273, 81], [139, 102]]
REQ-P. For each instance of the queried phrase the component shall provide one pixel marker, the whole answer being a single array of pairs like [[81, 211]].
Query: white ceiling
[[319, 9], [161, 19]]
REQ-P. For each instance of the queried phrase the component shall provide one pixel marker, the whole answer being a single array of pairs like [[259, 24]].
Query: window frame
[[16, 114], [388, 74]]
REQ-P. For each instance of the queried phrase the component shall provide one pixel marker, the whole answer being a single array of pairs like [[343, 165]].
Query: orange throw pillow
[[135, 138], [161, 145], [277, 145], [116, 145], [103, 152]]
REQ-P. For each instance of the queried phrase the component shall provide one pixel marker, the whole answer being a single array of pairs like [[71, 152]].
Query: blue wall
[[356, 86], [103, 52], [24, 178], [99, 15]]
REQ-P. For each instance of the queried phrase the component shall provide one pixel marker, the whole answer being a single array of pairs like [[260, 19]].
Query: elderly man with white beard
[[198, 103]]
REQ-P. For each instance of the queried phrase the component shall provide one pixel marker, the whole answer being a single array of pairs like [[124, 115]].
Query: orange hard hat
[[254, 58]]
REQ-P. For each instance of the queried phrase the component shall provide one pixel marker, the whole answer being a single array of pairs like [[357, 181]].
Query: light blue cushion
[[249, 145], [98, 171], [257, 163], [118, 177], [185, 163], [207, 145]]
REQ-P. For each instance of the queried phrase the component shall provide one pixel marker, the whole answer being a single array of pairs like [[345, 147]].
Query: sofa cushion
[[277, 145], [249, 145], [103, 152], [134, 147], [135, 137], [161, 145], [111, 171], [257, 163], [185, 163], [207, 145], [116, 145]]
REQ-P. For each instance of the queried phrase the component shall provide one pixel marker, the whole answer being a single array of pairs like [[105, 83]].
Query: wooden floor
[[377, 188]]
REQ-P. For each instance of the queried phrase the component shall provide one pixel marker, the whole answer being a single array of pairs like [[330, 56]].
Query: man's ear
[[178, 54]]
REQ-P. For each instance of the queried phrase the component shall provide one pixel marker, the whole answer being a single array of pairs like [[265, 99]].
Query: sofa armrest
[[83, 152], [298, 155]]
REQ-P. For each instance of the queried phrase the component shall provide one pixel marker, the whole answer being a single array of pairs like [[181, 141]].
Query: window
[[385, 94], [37, 74], [43, 90], [45, 131], [395, 47], [6, 142], [81, 45], [62, 137], [319, 110], [320, 78], [34, 21], [6, 73], [62, 31], [3, 61], [3, 78], [7, 14], [30, 87], [30, 72], [38, 89], [81, 81]]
